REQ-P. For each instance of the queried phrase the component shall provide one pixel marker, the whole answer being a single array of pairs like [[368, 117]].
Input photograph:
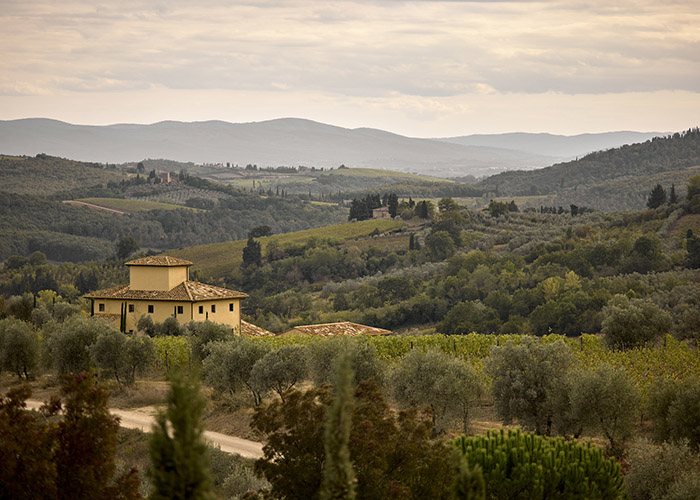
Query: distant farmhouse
[[342, 329], [159, 286], [381, 213]]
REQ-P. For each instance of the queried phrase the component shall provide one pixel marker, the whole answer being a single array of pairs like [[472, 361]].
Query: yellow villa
[[159, 286]]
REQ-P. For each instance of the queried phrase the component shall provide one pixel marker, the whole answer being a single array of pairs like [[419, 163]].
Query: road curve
[[134, 419]]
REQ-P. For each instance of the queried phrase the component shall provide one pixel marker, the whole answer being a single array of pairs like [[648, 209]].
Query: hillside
[[561, 146], [286, 141], [46, 174], [615, 179]]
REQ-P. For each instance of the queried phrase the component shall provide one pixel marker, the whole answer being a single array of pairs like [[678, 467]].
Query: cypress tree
[[179, 466], [672, 196], [338, 481]]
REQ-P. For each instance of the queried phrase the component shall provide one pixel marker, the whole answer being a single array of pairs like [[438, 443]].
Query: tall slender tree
[[338, 481], [179, 466]]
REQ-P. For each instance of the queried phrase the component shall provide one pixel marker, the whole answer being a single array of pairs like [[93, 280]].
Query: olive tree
[[70, 342], [323, 358], [525, 378], [19, 347], [280, 370], [449, 386], [632, 322]]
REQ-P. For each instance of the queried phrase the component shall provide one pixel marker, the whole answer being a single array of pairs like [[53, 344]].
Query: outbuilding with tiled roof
[[159, 286], [342, 329]]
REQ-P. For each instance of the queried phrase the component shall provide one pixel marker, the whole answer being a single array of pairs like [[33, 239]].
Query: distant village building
[[164, 177], [342, 329], [381, 213], [159, 286]]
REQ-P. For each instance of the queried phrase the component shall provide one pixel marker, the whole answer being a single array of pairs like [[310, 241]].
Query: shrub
[[632, 322], [675, 410], [19, 347], [666, 472], [280, 370], [526, 466]]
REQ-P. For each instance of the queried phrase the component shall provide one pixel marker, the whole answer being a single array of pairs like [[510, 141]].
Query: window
[[101, 307], [230, 307], [213, 308], [131, 308], [179, 310], [150, 308], [201, 309]]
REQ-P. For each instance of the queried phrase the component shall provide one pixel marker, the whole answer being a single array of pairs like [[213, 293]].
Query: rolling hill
[[287, 141], [616, 179]]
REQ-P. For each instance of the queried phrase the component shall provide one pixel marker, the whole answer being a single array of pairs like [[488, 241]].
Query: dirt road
[[143, 419]]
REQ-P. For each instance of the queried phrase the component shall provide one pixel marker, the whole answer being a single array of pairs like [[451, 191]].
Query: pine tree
[[338, 481], [672, 197], [179, 466], [252, 253], [657, 197]]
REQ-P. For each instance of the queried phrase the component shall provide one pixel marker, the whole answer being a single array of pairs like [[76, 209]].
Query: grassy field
[[132, 205], [375, 172], [220, 258], [691, 221]]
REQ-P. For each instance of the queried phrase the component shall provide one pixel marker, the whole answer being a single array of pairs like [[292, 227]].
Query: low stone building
[[342, 329]]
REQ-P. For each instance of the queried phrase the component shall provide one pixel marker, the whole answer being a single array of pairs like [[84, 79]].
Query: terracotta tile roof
[[345, 328], [251, 330], [187, 291], [159, 260]]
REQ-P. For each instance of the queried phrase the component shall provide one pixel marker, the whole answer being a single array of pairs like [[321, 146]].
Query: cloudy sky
[[421, 68]]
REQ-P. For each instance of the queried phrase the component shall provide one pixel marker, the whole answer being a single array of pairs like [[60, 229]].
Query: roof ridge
[[187, 289]]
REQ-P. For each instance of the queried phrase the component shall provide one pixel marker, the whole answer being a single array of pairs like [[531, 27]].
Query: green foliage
[[172, 352], [657, 197], [280, 370], [19, 347], [439, 245], [86, 440], [670, 471], [605, 400], [109, 353], [633, 322], [69, 344], [528, 466], [179, 466], [470, 483], [324, 355], [674, 408], [392, 455], [252, 254], [228, 367], [524, 379], [202, 332], [450, 387], [69, 458], [338, 480], [20, 306], [126, 246]]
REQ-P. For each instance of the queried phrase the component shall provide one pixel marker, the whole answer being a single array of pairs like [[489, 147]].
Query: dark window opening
[[230, 307], [213, 308], [179, 310], [101, 307], [131, 308], [201, 309], [150, 309]]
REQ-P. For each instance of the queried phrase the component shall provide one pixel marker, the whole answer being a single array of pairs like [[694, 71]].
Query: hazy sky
[[422, 68]]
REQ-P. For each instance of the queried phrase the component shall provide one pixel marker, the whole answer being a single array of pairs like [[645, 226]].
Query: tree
[[424, 209], [657, 197], [109, 354], [324, 356], [145, 325], [260, 231], [632, 322], [338, 481], [447, 205], [86, 439], [19, 347], [449, 386], [203, 332], [393, 204], [605, 400], [228, 366], [440, 245], [498, 208], [126, 246], [393, 455], [140, 354], [692, 245], [281, 369], [672, 196], [673, 407], [179, 467], [69, 345], [524, 379], [21, 306], [693, 187], [252, 254]]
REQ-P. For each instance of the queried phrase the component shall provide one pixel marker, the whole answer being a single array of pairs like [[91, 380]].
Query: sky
[[420, 68]]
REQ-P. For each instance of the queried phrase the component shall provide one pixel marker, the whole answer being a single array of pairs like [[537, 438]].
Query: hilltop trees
[[657, 197]]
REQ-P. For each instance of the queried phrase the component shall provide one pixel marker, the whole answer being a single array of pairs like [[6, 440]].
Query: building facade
[[159, 286]]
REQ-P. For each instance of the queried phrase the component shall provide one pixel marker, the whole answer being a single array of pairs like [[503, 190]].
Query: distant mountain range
[[291, 141]]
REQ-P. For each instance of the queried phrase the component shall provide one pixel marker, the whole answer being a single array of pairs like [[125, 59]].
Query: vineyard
[[178, 195], [672, 360], [132, 205]]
